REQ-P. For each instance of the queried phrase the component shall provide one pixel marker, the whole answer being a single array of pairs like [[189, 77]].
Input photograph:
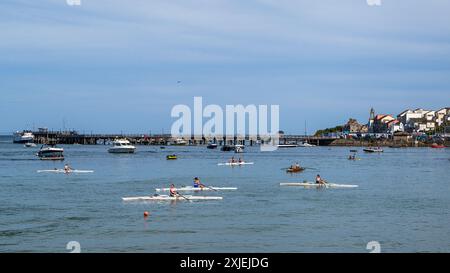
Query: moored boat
[[30, 145], [373, 150], [437, 146], [212, 146], [122, 146], [23, 137], [51, 153]]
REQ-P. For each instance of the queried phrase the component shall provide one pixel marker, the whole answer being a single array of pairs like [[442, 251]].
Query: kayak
[[190, 188], [235, 164], [311, 184], [170, 198], [171, 157], [63, 171]]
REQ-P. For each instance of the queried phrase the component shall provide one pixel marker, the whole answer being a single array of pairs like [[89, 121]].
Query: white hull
[[287, 146], [189, 188], [122, 150], [169, 198], [314, 185], [23, 138], [63, 171], [29, 145], [236, 164], [306, 145]]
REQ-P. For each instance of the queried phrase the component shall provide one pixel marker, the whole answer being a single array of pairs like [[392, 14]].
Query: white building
[[442, 115], [418, 120]]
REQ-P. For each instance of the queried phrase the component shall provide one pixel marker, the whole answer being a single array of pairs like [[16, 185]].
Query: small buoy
[[146, 214]]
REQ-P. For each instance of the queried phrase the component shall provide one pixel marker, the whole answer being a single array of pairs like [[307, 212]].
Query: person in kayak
[[197, 183], [173, 191], [319, 180]]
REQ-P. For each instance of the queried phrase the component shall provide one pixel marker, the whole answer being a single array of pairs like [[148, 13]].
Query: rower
[[173, 191], [67, 168], [319, 180], [233, 160], [297, 166], [240, 160], [197, 183]]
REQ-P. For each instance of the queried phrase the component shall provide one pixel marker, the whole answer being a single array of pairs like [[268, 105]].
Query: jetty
[[73, 137]]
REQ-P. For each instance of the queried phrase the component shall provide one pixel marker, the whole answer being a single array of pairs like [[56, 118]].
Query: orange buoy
[[146, 214]]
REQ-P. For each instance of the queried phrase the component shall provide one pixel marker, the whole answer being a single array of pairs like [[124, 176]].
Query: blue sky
[[111, 66]]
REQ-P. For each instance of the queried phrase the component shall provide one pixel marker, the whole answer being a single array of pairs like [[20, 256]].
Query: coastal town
[[418, 127]]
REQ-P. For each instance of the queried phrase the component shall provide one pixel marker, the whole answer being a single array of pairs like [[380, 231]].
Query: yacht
[[51, 153], [122, 146], [23, 137]]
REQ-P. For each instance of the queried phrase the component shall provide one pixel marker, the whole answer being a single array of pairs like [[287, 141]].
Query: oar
[[307, 168], [208, 187], [183, 196]]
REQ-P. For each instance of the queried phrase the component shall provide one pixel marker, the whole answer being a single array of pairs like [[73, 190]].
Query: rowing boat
[[190, 188], [295, 170], [170, 198], [315, 185], [63, 171], [235, 163]]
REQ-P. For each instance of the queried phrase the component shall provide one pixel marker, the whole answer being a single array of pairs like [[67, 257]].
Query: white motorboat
[[122, 146], [306, 144], [23, 137], [29, 145], [51, 153]]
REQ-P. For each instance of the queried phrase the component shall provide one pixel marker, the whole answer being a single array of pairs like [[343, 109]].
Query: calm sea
[[403, 201]]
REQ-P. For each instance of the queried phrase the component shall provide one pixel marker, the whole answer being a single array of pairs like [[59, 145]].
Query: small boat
[[306, 144], [239, 149], [315, 185], [295, 170], [437, 146], [162, 147], [51, 153], [171, 157], [157, 197], [180, 142], [23, 137], [373, 150], [190, 188], [235, 163], [29, 145], [64, 171], [122, 146], [287, 145], [212, 146]]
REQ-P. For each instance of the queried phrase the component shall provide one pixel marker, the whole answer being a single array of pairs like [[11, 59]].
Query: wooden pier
[[72, 137]]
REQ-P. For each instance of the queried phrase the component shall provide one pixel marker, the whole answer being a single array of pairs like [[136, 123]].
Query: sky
[[110, 66]]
